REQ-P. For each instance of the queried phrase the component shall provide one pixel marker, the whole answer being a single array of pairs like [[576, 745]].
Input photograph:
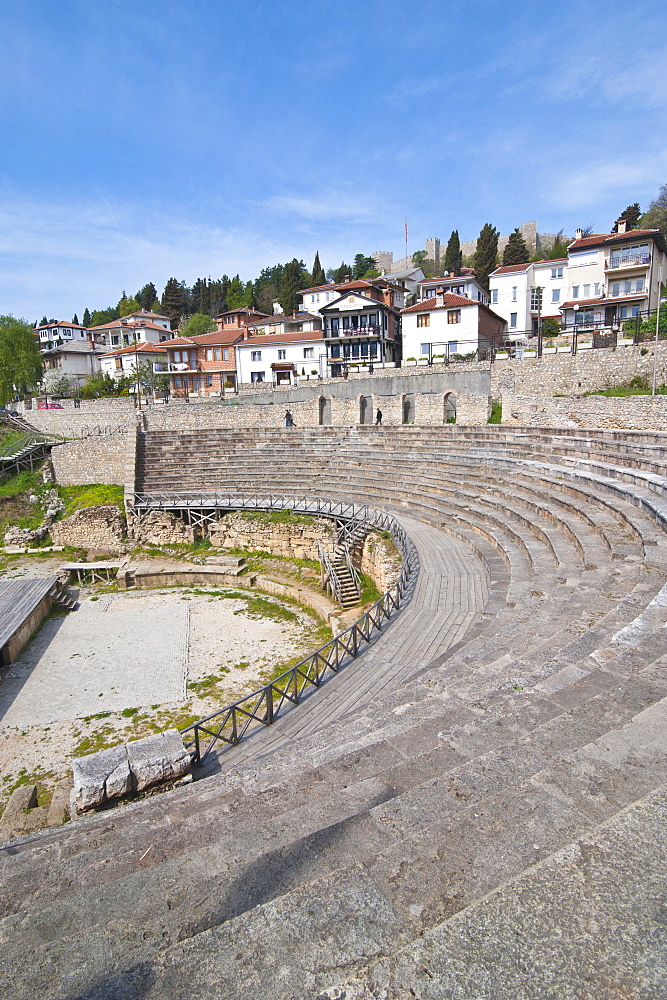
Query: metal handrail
[[232, 723]]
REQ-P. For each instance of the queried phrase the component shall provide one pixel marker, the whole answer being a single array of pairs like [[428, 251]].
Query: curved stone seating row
[[340, 845]]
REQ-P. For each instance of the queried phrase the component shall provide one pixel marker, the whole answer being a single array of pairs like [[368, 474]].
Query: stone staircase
[[488, 824]]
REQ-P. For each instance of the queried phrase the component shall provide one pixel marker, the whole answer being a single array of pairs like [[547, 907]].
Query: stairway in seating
[[488, 824]]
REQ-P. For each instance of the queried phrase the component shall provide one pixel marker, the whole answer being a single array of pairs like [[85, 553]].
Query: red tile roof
[[284, 338], [511, 268], [144, 348], [133, 324], [61, 322], [601, 238], [359, 283], [248, 310], [449, 301], [230, 336], [283, 318]]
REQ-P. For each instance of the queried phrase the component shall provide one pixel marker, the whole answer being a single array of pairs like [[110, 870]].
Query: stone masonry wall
[[296, 540], [100, 528], [91, 460], [603, 412], [380, 560]]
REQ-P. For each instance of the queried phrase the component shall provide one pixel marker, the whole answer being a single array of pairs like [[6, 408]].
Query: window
[[454, 316], [256, 376], [639, 285], [209, 381], [615, 288], [575, 291], [177, 382], [425, 350], [587, 291], [627, 287], [635, 310], [119, 362], [513, 319], [514, 293], [494, 294], [225, 353], [453, 346], [556, 272], [209, 354], [217, 353], [256, 356], [423, 319], [597, 288], [177, 357], [555, 294], [622, 312], [309, 352], [282, 355], [114, 341]]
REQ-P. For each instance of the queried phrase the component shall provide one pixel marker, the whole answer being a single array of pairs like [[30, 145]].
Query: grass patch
[[277, 517], [637, 386], [79, 497], [496, 416], [22, 482], [369, 592]]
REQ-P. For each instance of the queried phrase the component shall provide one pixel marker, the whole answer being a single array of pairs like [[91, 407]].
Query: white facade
[[315, 300], [127, 331], [512, 293], [124, 362], [278, 359], [78, 359], [466, 285], [61, 333], [448, 325]]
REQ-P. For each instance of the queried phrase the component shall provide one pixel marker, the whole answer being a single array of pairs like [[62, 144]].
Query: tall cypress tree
[[318, 276], [486, 254], [86, 317], [75, 320], [516, 251], [173, 301], [453, 255]]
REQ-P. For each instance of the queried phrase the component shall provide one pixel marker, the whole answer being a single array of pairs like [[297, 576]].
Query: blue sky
[[156, 138]]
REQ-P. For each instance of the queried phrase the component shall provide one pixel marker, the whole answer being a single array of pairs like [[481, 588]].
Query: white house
[[61, 332], [449, 324], [128, 330], [463, 284], [280, 358], [124, 360], [282, 323], [514, 293], [78, 359]]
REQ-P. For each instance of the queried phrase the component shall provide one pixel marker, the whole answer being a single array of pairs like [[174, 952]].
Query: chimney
[[579, 234], [440, 297], [621, 226]]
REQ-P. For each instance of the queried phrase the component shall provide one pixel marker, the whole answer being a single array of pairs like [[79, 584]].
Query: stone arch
[[449, 408], [325, 411], [365, 409], [408, 408]]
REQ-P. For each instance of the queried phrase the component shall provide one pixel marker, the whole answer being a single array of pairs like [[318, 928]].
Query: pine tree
[[453, 255], [290, 285], [173, 301], [75, 320], [318, 276], [342, 273], [486, 254], [147, 296], [516, 251], [44, 321], [86, 317], [631, 215]]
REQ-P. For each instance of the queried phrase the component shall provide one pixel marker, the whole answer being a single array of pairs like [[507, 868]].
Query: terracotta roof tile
[[284, 338], [144, 348], [450, 301]]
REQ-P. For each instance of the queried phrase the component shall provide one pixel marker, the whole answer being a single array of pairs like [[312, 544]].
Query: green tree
[[362, 265], [239, 294], [43, 321], [291, 284], [559, 249], [342, 273], [147, 297], [486, 254], [453, 255], [656, 216], [173, 301], [631, 215], [59, 383], [198, 324], [75, 320], [86, 317], [318, 276], [550, 327], [127, 306], [516, 251], [20, 363]]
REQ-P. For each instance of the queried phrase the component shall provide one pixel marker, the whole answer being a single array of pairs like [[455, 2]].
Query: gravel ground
[[227, 647]]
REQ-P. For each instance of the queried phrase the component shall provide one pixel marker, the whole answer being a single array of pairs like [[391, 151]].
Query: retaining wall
[[625, 412], [91, 460]]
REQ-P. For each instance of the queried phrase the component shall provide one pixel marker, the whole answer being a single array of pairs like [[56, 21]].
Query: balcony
[[621, 263], [360, 331]]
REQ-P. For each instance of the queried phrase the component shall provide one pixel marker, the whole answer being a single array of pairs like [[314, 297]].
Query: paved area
[[93, 661]]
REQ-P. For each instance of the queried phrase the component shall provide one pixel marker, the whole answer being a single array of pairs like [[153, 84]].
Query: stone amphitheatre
[[474, 805]]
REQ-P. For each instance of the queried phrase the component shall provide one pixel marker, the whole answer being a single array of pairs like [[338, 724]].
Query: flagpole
[[405, 223]]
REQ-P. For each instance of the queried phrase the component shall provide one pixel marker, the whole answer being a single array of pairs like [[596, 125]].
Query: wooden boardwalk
[[19, 599], [450, 595]]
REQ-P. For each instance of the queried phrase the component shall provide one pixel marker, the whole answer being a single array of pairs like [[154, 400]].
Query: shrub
[[496, 412]]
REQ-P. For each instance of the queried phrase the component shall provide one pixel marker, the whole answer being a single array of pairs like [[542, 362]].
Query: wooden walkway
[[450, 595]]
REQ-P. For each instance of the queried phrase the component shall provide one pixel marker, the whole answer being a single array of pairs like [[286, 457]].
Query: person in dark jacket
[[378, 417]]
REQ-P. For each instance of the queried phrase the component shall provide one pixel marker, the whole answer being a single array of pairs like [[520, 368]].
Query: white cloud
[[595, 182]]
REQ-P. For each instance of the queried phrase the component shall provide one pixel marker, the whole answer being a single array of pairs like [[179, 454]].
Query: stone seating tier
[[518, 739]]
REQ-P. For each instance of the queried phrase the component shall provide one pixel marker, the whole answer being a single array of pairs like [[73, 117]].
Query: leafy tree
[[362, 265], [550, 327], [631, 215], [86, 317], [127, 306], [197, 324], [656, 216], [147, 297], [486, 254], [59, 383], [318, 276], [173, 301], [101, 316], [453, 255], [559, 249], [239, 294], [20, 363], [516, 251], [293, 280], [341, 273]]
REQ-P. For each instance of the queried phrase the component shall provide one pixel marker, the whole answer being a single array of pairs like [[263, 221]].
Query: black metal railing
[[229, 725]]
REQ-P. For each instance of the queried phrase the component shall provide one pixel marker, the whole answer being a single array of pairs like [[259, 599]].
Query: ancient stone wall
[[100, 528], [162, 528], [624, 412], [295, 539], [91, 460], [380, 560]]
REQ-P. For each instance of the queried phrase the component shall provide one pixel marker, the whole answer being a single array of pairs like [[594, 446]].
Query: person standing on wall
[[289, 419], [378, 418]]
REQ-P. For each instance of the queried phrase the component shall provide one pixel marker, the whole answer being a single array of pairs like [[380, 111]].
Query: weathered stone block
[[91, 773], [157, 758], [100, 527]]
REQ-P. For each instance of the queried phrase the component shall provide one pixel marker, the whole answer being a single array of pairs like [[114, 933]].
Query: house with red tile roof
[[59, 333], [136, 328], [281, 358], [124, 361], [448, 324], [514, 296]]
